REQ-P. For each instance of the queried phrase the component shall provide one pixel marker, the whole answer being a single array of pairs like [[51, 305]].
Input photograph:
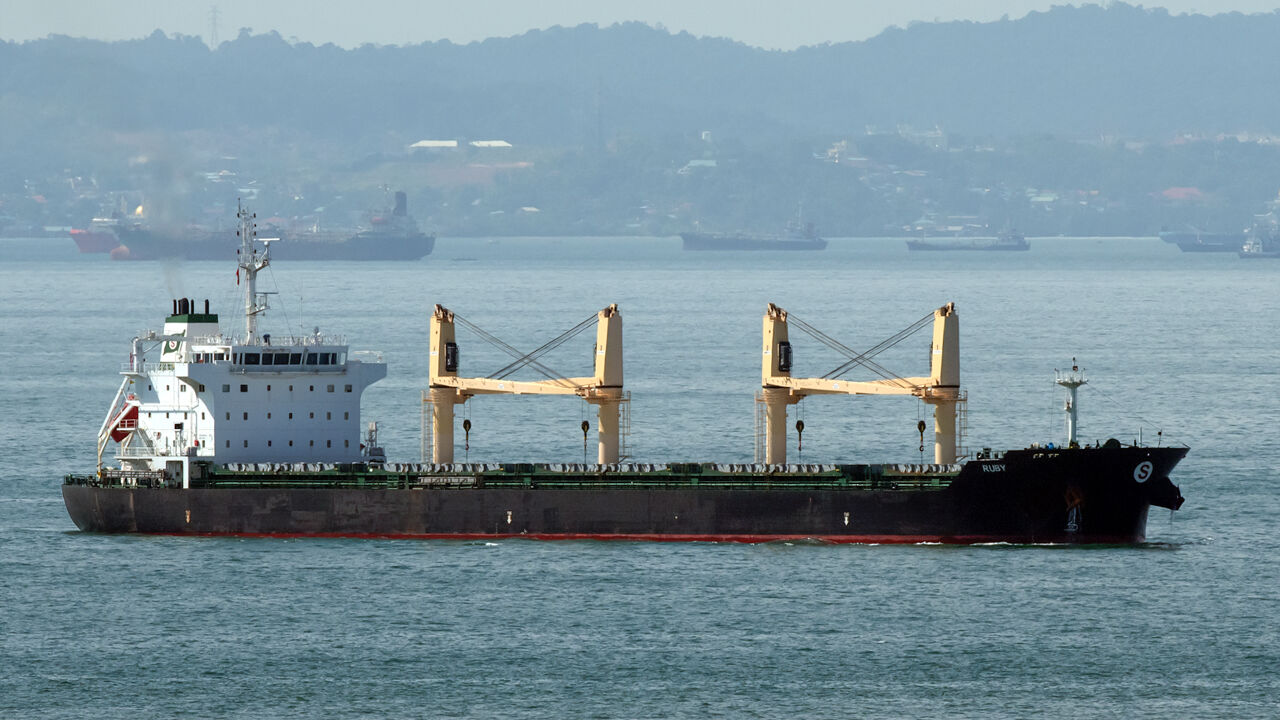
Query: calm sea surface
[[157, 627]]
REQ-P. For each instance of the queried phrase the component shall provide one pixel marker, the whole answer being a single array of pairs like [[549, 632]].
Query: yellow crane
[[941, 388], [603, 389]]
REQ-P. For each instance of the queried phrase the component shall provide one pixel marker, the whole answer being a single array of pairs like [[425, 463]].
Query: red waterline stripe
[[633, 537]]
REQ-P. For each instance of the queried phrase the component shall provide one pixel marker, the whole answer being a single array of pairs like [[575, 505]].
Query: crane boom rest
[[941, 389], [603, 389]]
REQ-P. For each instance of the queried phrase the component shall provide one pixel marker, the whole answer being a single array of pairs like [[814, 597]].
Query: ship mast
[[1071, 381], [251, 261]]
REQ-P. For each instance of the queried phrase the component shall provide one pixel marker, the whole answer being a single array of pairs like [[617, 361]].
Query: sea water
[[1178, 349]]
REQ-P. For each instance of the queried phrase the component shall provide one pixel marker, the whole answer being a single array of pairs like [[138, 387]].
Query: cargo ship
[[218, 433], [99, 237], [1009, 240], [798, 235], [391, 235], [1203, 242], [1263, 241]]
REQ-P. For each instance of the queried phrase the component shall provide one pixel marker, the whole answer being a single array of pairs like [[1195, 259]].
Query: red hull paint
[[91, 241]]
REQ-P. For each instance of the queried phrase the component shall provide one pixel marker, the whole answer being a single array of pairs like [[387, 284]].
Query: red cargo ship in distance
[[204, 430], [99, 237]]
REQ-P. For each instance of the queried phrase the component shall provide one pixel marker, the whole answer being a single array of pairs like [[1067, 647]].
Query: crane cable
[[910, 330], [841, 348], [522, 359], [546, 347], [863, 359]]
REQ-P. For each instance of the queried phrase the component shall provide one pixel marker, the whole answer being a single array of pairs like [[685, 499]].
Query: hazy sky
[[782, 24]]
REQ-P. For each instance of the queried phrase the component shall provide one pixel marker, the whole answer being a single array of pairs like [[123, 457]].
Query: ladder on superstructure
[[761, 428], [962, 425], [624, 427], [427, 429]]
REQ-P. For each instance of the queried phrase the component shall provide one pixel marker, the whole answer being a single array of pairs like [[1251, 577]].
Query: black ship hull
[[1088, 495]]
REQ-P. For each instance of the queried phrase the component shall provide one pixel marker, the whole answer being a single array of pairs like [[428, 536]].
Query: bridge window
[[251, 359], [311, 358], [295, 358], [324, 359]]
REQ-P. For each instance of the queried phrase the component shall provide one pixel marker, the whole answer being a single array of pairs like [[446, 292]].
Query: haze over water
[[129, 627]]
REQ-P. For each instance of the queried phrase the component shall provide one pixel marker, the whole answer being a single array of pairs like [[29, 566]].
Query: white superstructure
[[192, 393]]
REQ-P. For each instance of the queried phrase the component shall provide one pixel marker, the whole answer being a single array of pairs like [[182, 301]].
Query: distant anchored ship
[[798, 235], [388, 236], [1007, 240]]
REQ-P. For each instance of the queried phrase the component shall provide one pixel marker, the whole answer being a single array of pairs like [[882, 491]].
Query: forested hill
[[1119, 70]]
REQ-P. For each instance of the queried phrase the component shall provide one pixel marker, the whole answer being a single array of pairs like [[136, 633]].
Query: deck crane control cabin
[[941, 389], [603, 389]]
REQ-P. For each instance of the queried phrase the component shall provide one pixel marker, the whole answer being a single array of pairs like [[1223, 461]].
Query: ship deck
[[410, 476]]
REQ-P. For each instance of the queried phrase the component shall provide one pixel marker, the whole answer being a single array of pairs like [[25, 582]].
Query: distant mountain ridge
[[1086, 71]]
